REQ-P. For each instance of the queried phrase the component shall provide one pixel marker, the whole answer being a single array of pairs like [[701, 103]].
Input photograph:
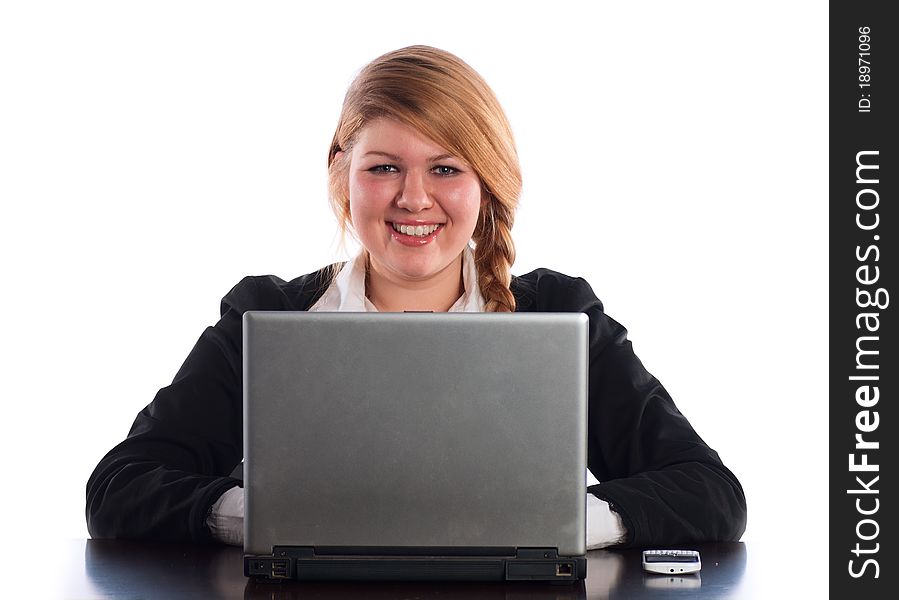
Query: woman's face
[[413, 205]]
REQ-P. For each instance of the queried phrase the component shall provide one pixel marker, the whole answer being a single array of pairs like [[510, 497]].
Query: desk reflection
[[129, 569], [126, 569]]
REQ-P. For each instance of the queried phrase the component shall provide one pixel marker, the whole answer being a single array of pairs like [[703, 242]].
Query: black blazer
[[668, 486]]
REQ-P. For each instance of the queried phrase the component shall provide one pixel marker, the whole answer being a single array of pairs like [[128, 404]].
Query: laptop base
[[307, 563]]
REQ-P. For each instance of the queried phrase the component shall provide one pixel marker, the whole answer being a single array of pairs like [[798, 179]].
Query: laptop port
[[280, 568], [564, 570]]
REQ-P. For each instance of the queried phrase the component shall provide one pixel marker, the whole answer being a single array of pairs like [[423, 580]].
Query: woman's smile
[[415, 233]]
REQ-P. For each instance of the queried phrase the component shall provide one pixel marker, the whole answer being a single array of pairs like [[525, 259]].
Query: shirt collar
[[347, 292]]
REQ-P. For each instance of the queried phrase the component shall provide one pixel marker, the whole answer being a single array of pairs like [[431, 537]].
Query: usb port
[[280, 568], [564, 570]]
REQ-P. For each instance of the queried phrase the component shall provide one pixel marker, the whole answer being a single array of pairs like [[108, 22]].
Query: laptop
[[415, 446]]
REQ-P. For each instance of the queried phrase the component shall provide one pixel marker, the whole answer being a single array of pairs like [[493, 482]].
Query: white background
[[674, 155]]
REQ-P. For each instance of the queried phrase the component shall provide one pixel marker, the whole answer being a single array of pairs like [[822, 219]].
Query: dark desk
[[118, 569]]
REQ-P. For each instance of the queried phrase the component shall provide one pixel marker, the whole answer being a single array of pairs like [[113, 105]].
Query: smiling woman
[[413, 215], [427, 111], [423, 171]]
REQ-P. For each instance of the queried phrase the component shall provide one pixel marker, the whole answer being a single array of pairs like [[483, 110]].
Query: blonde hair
[[447, 101]]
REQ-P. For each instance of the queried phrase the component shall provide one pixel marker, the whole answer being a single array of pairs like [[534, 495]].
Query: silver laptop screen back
[[434, 430]]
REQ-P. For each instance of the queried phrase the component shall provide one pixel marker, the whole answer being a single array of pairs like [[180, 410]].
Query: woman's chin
[[419, 269], [415, 272]]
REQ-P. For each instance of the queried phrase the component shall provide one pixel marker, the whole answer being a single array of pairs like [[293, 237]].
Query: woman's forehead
[[397, 140]]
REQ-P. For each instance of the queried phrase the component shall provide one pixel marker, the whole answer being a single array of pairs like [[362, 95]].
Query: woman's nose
[[414, 196]]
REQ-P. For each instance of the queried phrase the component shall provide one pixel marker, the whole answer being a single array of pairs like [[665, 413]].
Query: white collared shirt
[[347, 291]]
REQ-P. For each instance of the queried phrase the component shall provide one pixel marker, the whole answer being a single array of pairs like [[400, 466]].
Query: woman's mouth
[[416, 230], [415, 235]]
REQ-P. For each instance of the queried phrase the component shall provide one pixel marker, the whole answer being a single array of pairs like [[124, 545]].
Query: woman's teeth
[[416, 230]]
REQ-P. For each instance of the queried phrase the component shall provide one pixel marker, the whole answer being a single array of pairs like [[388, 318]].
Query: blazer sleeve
[[666, 483], [160, 482]]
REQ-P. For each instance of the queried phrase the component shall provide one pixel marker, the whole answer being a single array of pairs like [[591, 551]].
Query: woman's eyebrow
[[396, 158], [393, 157]]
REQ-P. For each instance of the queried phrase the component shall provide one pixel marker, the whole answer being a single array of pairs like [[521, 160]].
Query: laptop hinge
[[415, 564], [313, 551], [407, 551], [532, 553]]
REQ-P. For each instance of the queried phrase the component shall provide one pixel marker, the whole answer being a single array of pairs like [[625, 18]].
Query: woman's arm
[[160, 482], [663, 480], [668, 486]]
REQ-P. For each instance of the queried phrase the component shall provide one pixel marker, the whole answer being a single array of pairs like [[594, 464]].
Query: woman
[[423, 170]]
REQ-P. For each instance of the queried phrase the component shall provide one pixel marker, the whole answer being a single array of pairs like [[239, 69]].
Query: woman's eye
[[383, 169], [444, 170]]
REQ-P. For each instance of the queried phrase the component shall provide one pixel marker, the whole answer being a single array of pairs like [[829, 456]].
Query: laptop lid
[[379, 431]]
